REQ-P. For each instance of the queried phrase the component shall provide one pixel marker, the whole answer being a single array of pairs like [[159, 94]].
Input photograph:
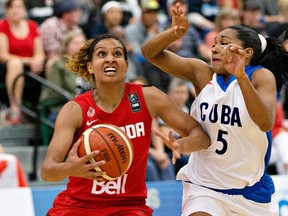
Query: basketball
[[115, 148]]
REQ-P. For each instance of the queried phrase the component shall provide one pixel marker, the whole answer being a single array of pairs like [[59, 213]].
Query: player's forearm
[[158, 43], [53, 173], [196, 141], [259, 112]]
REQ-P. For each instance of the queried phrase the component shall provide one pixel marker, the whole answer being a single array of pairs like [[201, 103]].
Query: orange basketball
[[115, 148]]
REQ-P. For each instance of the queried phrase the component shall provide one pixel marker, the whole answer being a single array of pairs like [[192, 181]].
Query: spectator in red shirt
[[20, 48]]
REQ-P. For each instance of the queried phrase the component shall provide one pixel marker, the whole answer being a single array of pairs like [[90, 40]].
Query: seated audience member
[[110, 22], [253, 17], [11, 171], [202, 13], [271, 13], [60, 76], [224, 19], [39, 10], [21, 49], [159, 165], [137, 33], [232, 5], [111, 16], [283, 9], [67, 16], [178, 91]]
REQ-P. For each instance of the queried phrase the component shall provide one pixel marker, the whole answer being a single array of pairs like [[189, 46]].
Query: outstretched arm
[[154, 50]]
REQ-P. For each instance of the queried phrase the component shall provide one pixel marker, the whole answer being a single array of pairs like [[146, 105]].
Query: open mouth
[[110, 70]]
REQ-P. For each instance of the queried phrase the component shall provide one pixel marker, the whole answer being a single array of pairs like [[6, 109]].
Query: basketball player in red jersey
[[129, 106]]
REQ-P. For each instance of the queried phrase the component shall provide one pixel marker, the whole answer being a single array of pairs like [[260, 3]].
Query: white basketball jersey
[[236, 157]]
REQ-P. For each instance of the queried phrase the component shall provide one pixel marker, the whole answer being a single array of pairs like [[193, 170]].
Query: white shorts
[[196, 198]]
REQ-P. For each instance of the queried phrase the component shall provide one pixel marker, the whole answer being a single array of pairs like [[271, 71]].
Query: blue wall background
[[164, 197]]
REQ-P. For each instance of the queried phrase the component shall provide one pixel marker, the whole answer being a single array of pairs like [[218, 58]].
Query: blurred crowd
[[38, 36]]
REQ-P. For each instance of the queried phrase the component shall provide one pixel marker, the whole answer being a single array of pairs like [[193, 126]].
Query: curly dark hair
[[77, 62]]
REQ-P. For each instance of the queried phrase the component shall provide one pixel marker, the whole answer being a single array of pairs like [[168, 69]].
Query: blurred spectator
[[21, 49], [279, 154], [191, 44], [67, 16], [110, 22], [137, 33], [279, 28], [201, 13], [271, 12], [111, 16], [2, 8], [178, 92], [283, 8], [234, 6], [39, 10], [159, 165], [224, 19], [60, 76], [91, 13], [139, 80], [207, 8], [253, 17], [11, 171], [131, 10]]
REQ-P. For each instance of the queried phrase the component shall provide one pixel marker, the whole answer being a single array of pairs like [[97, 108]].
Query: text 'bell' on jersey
[[239, 151], [133, 116]]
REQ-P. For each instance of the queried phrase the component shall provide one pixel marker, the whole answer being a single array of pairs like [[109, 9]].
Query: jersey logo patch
[[91, 111], [134, 102], [88, 123]]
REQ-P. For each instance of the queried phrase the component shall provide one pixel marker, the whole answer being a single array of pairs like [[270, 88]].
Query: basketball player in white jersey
[[236, 105]]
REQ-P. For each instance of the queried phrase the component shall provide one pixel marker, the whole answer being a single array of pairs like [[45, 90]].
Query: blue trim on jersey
[[248, 70], [261, 192], [269, 149]]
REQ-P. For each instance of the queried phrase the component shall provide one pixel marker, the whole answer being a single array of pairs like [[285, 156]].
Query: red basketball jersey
[[133, 117]]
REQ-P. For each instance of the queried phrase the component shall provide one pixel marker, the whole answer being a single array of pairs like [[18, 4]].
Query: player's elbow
[[205, 141], [265, 127], [148, 53], [46, 174]]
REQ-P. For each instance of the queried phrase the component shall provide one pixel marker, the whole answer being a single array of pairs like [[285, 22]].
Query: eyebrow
[[104, 47], [222, 36]]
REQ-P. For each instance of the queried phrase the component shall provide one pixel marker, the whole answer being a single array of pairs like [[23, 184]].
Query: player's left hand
[[170, 141], [234, 60]]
